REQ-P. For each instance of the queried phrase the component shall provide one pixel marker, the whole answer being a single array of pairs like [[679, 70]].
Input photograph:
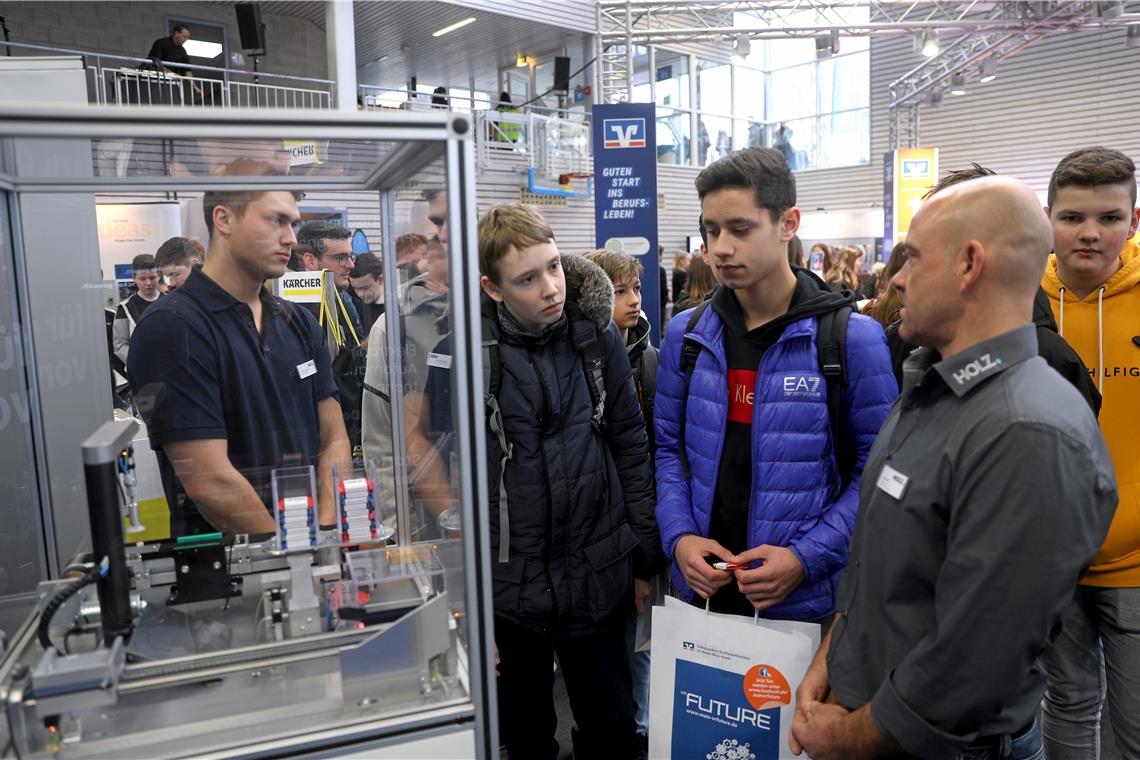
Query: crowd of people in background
[[908, 455]]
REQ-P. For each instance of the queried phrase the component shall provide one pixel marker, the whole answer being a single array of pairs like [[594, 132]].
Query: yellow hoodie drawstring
[[1061, 327], [1100, 336]]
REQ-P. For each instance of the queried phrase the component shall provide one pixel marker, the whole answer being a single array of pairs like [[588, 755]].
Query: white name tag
[[443, 361], [892, 481], [307, 369]]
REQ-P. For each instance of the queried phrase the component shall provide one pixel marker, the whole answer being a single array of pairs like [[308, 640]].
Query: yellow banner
[[916, 171]]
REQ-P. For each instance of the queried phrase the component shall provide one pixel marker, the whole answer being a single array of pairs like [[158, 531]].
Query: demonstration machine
[[373, 639]]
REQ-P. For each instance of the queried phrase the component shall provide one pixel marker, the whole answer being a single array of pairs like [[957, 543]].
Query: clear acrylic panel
[[291, 499]]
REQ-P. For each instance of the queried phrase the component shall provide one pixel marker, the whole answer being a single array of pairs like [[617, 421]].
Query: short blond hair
[[506, 226], [619, 266]]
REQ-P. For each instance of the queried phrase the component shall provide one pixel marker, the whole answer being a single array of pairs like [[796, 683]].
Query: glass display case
[[350, 610]]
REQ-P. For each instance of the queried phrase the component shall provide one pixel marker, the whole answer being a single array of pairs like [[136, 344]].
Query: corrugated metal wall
[[570, 14], [1064, 93]]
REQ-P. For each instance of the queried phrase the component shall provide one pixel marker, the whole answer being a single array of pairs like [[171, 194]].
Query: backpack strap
[[690, 350], [831, 345], [492, 380]]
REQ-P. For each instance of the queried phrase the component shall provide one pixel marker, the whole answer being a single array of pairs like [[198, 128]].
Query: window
[[673, 136], [672, 78], [816, 111]]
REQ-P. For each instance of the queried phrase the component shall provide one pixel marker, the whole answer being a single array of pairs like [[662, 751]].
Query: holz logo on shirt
[[802, 385], [982, 364]]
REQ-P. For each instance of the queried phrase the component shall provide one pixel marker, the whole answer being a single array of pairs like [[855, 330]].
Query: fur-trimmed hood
[[588, 286]]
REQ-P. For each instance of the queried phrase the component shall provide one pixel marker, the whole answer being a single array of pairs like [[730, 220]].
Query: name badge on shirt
[[307, 369], [892, 481], [443, 361]]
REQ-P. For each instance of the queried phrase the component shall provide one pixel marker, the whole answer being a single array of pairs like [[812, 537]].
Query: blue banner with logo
[[625, 193]]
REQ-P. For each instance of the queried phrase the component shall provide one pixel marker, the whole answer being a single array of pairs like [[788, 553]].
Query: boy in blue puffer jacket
[[754, 478]]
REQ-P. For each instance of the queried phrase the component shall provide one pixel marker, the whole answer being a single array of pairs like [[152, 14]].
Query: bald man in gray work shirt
[[985, 496]]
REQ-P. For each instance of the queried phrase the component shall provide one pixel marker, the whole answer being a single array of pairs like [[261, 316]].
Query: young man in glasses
[[324, 245]]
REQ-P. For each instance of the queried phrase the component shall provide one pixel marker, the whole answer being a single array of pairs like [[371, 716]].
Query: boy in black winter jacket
[[573, 533]]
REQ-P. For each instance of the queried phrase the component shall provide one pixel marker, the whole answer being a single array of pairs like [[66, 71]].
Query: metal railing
[[126, 80], [554, 141], [378, 98]]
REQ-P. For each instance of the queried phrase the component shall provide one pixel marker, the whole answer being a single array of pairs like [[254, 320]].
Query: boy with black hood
[[750, 462], [577, 543], [625, 273]]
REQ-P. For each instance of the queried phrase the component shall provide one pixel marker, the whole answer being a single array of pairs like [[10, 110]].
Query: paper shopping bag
[[722, 687]]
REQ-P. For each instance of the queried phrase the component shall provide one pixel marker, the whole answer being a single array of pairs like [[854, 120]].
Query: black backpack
[[594, 365], [831, 345]]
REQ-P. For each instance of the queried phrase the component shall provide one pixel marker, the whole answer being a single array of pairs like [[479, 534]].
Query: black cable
[[536, 98], [62, 596]]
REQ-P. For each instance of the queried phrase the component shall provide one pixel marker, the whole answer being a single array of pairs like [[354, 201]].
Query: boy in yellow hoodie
[[1093, 283]]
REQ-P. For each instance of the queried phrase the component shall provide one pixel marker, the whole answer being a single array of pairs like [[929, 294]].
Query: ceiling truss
[[972, 31]]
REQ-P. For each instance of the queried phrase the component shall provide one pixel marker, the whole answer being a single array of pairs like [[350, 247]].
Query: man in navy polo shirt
[[234, 381]]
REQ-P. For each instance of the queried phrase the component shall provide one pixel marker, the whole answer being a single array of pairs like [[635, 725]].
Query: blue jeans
[[1095, 660], [639, 671], [1028, 746]]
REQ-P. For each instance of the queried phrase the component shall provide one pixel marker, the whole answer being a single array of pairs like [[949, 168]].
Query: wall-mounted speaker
[[250, 28], [561, 74]]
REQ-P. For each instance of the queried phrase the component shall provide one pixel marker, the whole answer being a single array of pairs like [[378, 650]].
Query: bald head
[[1004, 217]]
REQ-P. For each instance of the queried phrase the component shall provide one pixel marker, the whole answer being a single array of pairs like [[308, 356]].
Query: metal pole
[[629, 53]]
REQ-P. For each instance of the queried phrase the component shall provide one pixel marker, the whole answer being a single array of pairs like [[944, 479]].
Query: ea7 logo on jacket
[[802, 386], [976, 368]]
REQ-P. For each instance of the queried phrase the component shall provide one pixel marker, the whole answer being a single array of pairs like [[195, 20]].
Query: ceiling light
[[1132, 37], [936, 99], [520, 60], [453, 27], [742, 49], [988, 71], [958, 84], [202, 49], [930, 44]]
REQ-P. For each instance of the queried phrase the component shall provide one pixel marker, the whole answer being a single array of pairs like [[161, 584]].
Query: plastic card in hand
[[295, 504]]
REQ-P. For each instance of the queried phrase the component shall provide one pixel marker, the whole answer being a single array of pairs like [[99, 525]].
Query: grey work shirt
[[984, 498]]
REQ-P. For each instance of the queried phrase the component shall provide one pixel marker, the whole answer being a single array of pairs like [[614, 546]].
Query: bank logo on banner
[[724, 715], [623, 133]]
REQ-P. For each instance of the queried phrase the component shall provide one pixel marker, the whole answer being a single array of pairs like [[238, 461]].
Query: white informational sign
[[129, 229], [302, 287]]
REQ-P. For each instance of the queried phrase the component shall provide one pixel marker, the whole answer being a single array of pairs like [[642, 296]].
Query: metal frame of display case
[[421, 138]]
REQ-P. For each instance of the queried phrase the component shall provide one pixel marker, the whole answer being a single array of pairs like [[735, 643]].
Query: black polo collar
[[214, 297]]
